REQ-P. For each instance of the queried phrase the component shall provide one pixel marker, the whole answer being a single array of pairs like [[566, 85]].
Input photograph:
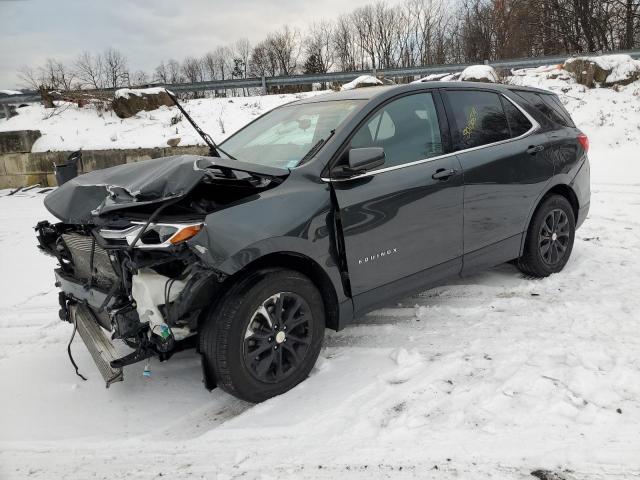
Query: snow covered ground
[[69, 127], [493, 376]]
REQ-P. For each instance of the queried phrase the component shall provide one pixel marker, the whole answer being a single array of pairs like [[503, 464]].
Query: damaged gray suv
[[313, 214]]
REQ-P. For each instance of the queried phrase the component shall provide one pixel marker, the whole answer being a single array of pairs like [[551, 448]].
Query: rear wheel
[[549, 239], [265, 335]]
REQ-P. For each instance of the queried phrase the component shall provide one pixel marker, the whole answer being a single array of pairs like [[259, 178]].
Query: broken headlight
[[156, 235]]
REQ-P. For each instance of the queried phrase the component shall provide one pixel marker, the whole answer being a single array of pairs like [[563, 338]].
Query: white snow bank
[[11, 92], [69, 127], [361, 81], [138, 92], [479, 72]]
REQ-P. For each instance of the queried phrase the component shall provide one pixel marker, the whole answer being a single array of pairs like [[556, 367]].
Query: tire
[[549, 239], [245, 343]]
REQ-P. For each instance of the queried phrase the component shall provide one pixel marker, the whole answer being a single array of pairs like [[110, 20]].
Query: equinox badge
[[373, 258]]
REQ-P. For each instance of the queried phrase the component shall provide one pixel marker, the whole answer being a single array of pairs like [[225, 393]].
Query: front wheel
[[549, 239], [265, 335]]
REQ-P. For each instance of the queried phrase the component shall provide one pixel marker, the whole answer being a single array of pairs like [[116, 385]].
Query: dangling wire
[[73, 334]]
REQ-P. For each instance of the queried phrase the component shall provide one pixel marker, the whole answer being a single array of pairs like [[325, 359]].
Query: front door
[[405, 217]]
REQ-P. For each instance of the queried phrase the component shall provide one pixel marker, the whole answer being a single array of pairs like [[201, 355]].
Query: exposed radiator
[[80, 248]]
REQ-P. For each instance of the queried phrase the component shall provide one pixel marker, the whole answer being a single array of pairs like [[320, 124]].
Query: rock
[[18, 141], [479, 73], [361, 82], [127, 102], [586, 71], [173, 142], [606, 70], [503, 73]]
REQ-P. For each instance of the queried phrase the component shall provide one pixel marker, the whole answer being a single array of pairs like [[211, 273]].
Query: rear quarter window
[[549, 106], [519, 124]]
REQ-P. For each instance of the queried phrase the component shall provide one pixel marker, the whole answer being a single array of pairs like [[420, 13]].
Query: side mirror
[[360, 160]]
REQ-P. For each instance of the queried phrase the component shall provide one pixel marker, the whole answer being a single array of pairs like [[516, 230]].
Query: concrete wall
[[24, 169]]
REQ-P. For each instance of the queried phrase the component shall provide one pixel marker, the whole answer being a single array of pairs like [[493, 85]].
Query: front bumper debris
[[75, 290], [99, 345]]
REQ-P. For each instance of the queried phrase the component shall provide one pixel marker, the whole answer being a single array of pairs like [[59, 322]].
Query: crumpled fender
[[295, 219]]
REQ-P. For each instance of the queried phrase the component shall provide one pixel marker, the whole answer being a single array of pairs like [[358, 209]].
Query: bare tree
[[90, 70], [285, 46], [381, 35], [161, 73], [31, 77], [209, 66], [174, 73], [319, 46], [344, 44], [115, 68], [53, 75], [263, 62], [140, 78], [192, 69]]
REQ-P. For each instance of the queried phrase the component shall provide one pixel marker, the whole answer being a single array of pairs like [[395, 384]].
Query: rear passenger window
[[407, 129], [549, 106], [518, 123], [479, 118]]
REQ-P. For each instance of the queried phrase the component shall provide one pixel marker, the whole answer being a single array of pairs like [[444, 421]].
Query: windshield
[[284, 136]]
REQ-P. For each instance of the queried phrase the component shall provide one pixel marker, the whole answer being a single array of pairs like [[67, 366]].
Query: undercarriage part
[[126, 322], [100, 347], [144, 350], [63, 313], [93, 297]]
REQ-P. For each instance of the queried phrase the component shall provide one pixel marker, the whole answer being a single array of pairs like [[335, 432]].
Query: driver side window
[[407, 129]]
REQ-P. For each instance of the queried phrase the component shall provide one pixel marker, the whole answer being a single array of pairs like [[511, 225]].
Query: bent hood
[[141, 183]]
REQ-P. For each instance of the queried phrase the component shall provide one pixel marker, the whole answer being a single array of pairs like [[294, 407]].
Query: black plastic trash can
[[68, 170]]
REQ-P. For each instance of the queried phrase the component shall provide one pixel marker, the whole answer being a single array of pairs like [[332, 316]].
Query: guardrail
[[266, 82]]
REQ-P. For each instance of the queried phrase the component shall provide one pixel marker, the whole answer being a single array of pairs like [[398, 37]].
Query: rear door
[[399, 219], [505, 169]]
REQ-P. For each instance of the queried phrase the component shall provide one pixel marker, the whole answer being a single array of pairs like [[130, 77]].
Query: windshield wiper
[[214, 149], [316, 147]]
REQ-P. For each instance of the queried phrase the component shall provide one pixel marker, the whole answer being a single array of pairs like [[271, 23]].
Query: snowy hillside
[[69, 127], [491, 377]]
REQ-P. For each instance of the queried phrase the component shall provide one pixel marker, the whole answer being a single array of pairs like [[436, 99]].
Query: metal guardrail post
[[264, 85]]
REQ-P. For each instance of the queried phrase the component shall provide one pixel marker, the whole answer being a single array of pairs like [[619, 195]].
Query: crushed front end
[[128, 270], [149, 295]]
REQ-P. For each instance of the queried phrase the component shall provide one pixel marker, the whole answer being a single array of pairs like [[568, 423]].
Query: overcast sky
[[146, 31]]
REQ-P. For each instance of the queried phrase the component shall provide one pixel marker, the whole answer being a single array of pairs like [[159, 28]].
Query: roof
[[368, 93]]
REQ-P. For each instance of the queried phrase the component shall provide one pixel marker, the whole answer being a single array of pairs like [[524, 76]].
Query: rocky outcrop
[[362, 81], [127, 102], [18, 141], [586, 71], [606, 70], [479, 73]]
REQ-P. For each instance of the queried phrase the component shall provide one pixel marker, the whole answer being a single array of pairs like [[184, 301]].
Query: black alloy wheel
[[277, 337], [264, 335], [549, 239], [553, 238]]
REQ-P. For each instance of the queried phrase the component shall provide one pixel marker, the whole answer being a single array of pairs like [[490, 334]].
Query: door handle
[[443, 174], [533, 149]]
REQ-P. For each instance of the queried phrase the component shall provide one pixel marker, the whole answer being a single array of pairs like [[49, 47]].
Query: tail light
[[584, 141]]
